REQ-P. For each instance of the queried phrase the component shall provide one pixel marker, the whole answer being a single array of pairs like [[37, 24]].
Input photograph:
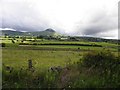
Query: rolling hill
[[47, 32], [51, 32]]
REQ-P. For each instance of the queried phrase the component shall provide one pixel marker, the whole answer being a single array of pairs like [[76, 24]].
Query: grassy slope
[[13, 53], [17, 56]]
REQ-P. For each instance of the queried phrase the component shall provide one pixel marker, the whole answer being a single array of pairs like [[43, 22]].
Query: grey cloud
[[99, 23], [21, 16]]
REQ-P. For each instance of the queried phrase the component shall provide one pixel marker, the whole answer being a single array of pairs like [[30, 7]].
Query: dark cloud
[[22, 17], [100, 23], [30, 15]]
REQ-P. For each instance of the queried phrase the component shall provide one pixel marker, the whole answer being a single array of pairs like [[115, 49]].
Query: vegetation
[[85, 73], [59, 64], [3, 44], [102, 66]]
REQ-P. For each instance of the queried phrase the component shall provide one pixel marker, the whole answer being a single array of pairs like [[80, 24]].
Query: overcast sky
[[97, 18]]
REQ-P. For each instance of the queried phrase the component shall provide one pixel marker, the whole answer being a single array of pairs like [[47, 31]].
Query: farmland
[[51, 53]]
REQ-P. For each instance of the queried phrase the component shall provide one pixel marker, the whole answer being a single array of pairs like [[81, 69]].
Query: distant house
[[63, 38]]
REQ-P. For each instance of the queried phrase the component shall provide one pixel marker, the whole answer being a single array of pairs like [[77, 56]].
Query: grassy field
[[42, 59], [46, 56]]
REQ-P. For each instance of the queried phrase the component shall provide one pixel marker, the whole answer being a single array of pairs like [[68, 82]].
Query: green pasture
[[39, 41], [41, 59], [44, 56]]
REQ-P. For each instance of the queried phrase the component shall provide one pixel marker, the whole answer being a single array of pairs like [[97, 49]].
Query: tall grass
[[99, 69]]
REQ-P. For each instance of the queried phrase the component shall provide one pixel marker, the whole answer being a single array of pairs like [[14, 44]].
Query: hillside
[[50, 32], [47, 32], [11, 33]]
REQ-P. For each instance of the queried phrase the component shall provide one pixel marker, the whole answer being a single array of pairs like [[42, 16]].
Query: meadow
[[47, 54]]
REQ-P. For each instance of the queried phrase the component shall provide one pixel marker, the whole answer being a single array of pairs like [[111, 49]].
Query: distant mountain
[[11, 33], [47, 32], [51, 32]]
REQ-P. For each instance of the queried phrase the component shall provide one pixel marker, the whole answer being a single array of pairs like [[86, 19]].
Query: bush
[[24, 44], [34, 43], [13, 41], [97, 58], [103, 60], [2, 44], [103, 64]]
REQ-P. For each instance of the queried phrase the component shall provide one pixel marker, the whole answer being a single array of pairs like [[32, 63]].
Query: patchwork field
[[47, 54], [42, 59]]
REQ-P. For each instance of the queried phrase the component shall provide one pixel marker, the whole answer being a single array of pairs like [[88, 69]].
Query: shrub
[[93, 58], [101, 59], [13, 41], [2, 44], [24, 44], [104, 64], [34, 43]]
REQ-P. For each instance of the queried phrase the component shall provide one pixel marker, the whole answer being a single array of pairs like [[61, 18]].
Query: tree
[[13, 41], [6, 35]]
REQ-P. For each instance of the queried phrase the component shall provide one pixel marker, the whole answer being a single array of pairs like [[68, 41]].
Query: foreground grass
[[41, 59], [94, 69], [80, 65]]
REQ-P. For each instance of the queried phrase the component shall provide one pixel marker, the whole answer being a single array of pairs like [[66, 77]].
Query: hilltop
[[52, 34], [47, 32]]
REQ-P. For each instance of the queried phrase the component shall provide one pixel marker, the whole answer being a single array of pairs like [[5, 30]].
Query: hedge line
[[71, 44]]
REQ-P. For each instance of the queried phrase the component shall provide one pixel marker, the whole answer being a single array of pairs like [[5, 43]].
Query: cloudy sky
[[97, 18]]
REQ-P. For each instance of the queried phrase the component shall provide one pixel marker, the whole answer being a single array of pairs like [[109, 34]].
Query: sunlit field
[[68, 56]]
